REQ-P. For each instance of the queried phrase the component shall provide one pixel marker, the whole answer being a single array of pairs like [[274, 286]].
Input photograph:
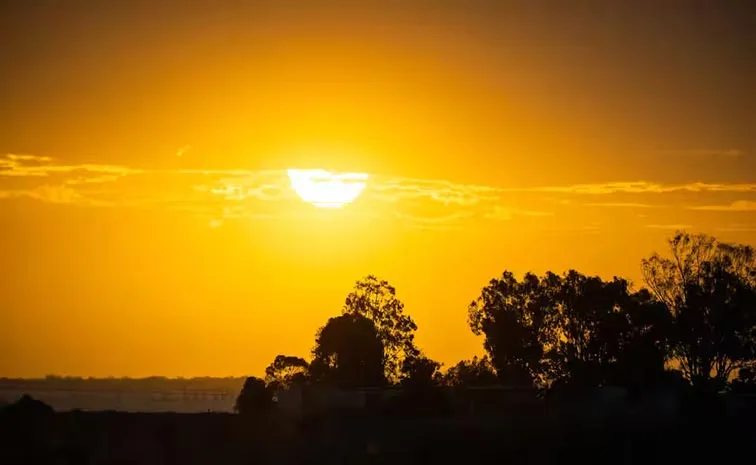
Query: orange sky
[[149, 228]]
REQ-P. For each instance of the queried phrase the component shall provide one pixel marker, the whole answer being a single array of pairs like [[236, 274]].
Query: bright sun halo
[[324, 189]]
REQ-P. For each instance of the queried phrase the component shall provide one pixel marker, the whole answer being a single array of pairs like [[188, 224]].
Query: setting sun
[[324, 189]]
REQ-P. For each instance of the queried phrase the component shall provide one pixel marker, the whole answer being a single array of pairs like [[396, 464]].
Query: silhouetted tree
[[348, 353], [709, 288], [254, 397], [419, 396], [419, 370], [643, 338], [475, 372], [376, 300], [597, 341], [569, 328], [512, 316], [285, 371]]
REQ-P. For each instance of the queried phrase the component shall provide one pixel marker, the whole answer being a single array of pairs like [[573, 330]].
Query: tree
[[254, 397], [348, 353], [710, 289], [475, 372], [567, 328], [420, 371], [592, 325], [376, 300], [286, 371], [419, 396], [512, 316], [643, 342]]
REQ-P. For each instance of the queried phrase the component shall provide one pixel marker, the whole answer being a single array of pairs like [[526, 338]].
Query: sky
[[149, 227]]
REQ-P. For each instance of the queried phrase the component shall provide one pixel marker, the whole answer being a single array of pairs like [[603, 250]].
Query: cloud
[[450, 201], [637, 187], [55, 194], [448, 222], [52, 194], [620, 205], [445, 192], [221, 195], [499, 212], [737, 206], [14, 165], [105, 178]]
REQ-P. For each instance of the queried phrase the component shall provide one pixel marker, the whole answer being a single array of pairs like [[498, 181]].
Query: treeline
[[152, 383], [694, 323]]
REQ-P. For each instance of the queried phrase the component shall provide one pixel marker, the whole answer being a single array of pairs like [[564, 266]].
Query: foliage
[[376, 300], [419, 370], [643, 339], [475, 372], [605, 334], [710, 289], [512, 316], [348, 353], [572, 327], [286, 371], [254, 397], [699, 312]]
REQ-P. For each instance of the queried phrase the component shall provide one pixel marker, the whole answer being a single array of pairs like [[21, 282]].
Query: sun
[[324, 189]]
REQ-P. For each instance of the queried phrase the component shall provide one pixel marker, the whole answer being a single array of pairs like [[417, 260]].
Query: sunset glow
[[324, 189], [192, 188]]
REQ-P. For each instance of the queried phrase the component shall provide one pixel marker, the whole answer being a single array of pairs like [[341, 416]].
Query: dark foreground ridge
[[546, 430]]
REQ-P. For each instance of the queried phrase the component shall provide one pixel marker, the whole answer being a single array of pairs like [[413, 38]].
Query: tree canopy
[[376, 300], [710, 290], [349, 353], [698, 314], [475, 372], [254, 397], [569, 327], [286, 370]]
